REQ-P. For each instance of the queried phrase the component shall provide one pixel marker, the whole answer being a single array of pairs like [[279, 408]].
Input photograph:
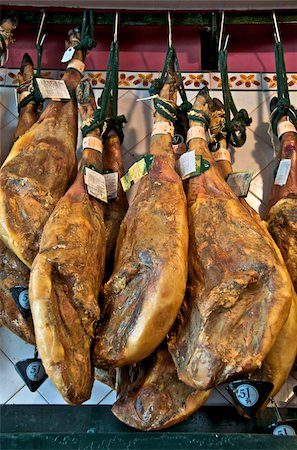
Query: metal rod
[[226, 42], [169, 30], [276, 410], [40, 28], [116, 26], [221, 30], [277, 34]]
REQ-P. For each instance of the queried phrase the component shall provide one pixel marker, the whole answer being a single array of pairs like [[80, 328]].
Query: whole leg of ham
[[239, 291], [146, 289], [116, 208], [282, 208], [150, 395], [280, 359], [36, 173], [65, 281], [13, 272]]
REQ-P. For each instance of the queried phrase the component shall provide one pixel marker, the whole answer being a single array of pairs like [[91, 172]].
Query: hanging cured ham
[[146, 289], [37, 171], [66, 278], [150, 395], [280, 359], [13, 273], [239, 290]]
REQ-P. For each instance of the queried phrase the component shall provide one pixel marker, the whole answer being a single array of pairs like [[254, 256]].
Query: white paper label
[[285, 127], [67, 56], [163, 128], [54, 89], [95, 184], [283, 172], [187, 164], [92, 142], [76, 64], [111, 182]]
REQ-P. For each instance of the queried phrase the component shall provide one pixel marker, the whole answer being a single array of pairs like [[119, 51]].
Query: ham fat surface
[[36, 173], [239, 290], [150, 395], [12, 271], [65, 281], [146, 289]]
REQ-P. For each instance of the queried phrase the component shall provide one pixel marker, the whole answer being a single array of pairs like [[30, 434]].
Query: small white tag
[[187, 164], [196, 132], [283, 172], [54, 89], [95, 184], [92, 142], [68, 54], [284, 127], [111, 181], [222, 154], [163, 128]]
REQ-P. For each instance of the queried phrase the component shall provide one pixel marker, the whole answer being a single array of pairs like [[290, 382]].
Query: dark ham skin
[[280, 359], [116, 208], [65, 281], [239, 290], [146, 289], [150, 395], [36, 173], [282, 207], [12, 271]]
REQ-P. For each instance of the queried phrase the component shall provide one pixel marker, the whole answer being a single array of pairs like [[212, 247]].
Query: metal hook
[[226, 42], [277, 33], [116, 26], [169, 30], [221, 30], [39, 39], [276, 410]]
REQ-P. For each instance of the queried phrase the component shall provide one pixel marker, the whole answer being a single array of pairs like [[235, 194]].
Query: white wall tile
[[11, 382], [109, 399], [26, 397], [14, 347]]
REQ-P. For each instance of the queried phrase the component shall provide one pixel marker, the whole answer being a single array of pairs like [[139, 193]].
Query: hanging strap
[[87, 41], [235, 128], [283, 106], [109, 96]]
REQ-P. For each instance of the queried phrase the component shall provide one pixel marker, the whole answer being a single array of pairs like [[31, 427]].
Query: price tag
[[187, 164], [287, 427], [68, 54], [53, 89], [21, 299], [95, 182], [32, 372], [283, 172], [249, 395], [136, 172], [111, 182], [240, 182]]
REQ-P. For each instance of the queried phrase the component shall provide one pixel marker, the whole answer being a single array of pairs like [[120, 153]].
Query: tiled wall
[[252, 91]]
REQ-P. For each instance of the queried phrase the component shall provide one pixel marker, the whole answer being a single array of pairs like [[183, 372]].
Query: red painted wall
[[143, 48]]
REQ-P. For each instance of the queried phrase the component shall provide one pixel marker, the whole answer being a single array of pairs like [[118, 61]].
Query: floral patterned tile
[[269, 81], [242, 81], [3, 71], [196, 81], [11, 78]]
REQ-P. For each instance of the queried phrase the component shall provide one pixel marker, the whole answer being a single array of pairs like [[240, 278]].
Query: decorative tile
[[11, 78], [242, 81], [144, 80], [10, 381], [269, 81], [3, 71], [96, 79], [196, 80], [110, 399], [26, 397], [292, 81]]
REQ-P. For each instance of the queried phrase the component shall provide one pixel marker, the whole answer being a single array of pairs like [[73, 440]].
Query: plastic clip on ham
[[66, 279], [239, 291], [14, 273], [146, 289], [37, 171]]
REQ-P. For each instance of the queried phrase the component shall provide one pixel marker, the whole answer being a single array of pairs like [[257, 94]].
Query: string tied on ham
[[165, 108], [197, 115], [282, 105], [86, 41]]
